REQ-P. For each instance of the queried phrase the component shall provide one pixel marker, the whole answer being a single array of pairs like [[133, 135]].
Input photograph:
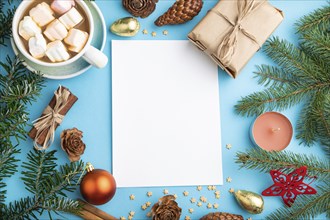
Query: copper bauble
[[97, 186]]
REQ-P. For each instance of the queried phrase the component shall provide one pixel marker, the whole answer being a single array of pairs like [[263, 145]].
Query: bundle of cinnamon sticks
[[90, 212]]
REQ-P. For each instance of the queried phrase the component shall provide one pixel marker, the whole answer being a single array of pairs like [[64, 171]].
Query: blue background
[[92, 115]]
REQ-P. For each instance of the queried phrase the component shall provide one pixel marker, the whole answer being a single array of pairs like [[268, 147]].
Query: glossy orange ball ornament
[[97, 186]]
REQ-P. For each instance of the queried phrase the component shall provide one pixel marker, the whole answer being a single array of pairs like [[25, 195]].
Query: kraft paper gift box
[[234, 30]]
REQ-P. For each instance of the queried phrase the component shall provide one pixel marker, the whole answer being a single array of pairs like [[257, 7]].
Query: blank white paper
[[165, 115]]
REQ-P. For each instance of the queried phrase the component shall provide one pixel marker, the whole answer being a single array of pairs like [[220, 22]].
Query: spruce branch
[[317, 44], [265, 161], [293, 60], [306, 206], [320, 17], [6, 17], [274, 77], [302, 75], [48, 185]]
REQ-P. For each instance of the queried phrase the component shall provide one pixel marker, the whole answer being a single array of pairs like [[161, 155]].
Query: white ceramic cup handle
[[95, 57]]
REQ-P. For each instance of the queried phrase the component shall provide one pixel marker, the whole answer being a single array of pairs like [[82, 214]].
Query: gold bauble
[[97, 186], [250, 201], [125, 27]]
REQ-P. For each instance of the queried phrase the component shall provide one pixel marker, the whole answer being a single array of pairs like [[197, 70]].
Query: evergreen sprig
[[6, 17], [265, 161], [302, 75], [13, 115], [48, 186], [306, 206]]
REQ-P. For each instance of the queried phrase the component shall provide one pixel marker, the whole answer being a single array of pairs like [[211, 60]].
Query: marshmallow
[[42, 14], [76, 39], [37, 46], [71, 18], [57, 52], [62, 6], [27, 28], [56, 31]]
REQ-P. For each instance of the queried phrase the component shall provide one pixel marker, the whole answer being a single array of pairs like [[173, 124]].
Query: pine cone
[[140, 8], [222, 216], [166, 209], [72, 144], [180, 12]]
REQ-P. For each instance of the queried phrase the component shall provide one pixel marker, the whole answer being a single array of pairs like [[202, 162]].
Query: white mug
[[89, 53]]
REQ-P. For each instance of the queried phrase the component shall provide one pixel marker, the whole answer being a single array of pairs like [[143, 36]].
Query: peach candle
[[271, 131]]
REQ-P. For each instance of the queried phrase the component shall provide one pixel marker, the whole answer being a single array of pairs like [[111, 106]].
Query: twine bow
[[51, 116], [228, 46]]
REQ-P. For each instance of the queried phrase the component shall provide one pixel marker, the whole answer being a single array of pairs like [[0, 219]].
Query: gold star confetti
[[148, 204], [131, 197], [149, 214], [187, 218], [203, 199], [165, 32], [153, 34], [217, 196], [217, 192], [229, 179], [191, 210], [175, 196], [149, 194], [122, 218], [215, 205], [131, 213], [209, 188], [165, 191], [144, 207], [192, 200], [249, 218], [145, 31], [214, 188], [228, 146], [209, 205], [199, 204], [231, 190], [199, 188], [185, 193], [130, 217]]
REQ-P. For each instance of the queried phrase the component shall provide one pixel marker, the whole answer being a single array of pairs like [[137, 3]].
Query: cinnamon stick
[[71, 100], [88, 216], [98, 212]]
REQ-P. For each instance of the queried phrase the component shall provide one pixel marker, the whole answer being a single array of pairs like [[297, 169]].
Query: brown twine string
[[227, 48], [47, 123]]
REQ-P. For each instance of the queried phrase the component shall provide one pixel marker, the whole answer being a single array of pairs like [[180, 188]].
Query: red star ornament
[[288, 186]]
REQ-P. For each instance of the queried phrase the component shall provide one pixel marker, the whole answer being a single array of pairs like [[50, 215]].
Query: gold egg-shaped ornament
[[125, 27], [250, 201]]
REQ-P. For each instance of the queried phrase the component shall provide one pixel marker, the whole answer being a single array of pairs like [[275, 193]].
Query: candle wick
[[276, 129]]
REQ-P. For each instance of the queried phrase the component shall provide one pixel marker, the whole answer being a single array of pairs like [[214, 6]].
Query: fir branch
[[6, 18], [293, 60], [306, 206], [278, 98], [61, 205], [314, 123], [39, 166], [19, 84], [8, 166], [265, 161], [49, 186], [316, 43], [320, 17], [274, 77], [302, 76]]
